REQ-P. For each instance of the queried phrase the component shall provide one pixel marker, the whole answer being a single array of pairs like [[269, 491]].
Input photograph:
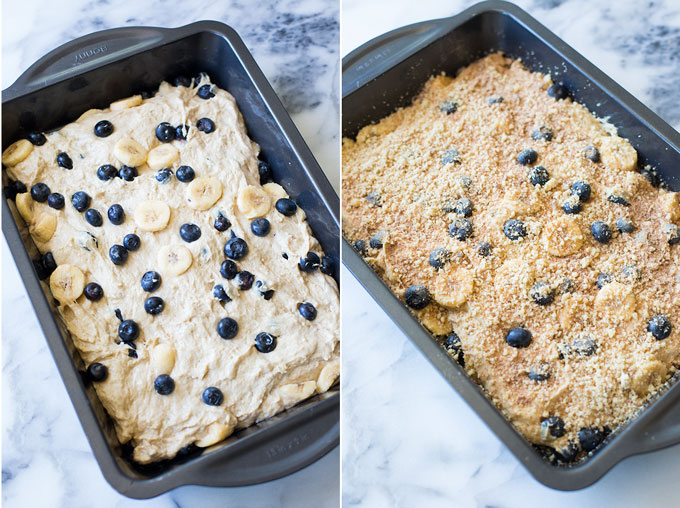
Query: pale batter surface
[[590, 362], [182, 340]]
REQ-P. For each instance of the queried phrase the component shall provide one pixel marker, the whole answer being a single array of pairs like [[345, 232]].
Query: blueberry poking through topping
[[515, 229], [116, 214], [39, 192], [590, 438], [154, 305], [181, 132], [56, 201], [118, 254], [260, 227], [542, 133], [448, 107], [205, 125], [37, 138], [603, 279], [601, 231], [672, 233], [93, 217], [484, 249], [542, 293], [582, 190], [618, 200], [80, 201], [97, 372], [163, 175], [128, 330], [463, 207], [93, 291], [450, 156], [103, 129], [205, 92], [455, 348], [539, 373], [189, 232], [265, 342], [185, 174], [538, 175], [327, 265], [222, 223], [361, 247], [527, 157], [307, 311], [572, 205], [518, 337], [417, 296], [378, 240], [182, 81], [265, 172], [15, 187], [164, 385], [660, 327], [309, 263], [552, 426], [374, 199], [558, 92], [439, 257], [127, 173], [461, 229], [592, 154], [106, 172], [235, 248], [212, 396], [227, 328], [495, 99], [165, 132], [228, 269], [131, 242], [286, 207], [584, 346], [264, 290], [220, 293], [244, 280], [64, 161], [567, 453], [651, 176]]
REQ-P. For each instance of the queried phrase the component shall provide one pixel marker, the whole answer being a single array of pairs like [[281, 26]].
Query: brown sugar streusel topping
[[516, 226]]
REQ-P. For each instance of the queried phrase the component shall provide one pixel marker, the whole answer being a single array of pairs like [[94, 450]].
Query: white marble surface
[[408, 438], [46, 460]]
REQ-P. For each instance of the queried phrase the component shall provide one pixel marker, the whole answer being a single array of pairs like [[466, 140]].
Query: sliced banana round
[[174, 259], [562, 237], [43, 227], [67, 283], [128, 102], [129, 152], [275, 190], [618, 153], [203, 192], [89, 113], [452, 288], [162, 156], [163, 358], [295, 392], [17, 152], [327, 376], [253, 201], [213, 433], [152, 215], [24, 203]]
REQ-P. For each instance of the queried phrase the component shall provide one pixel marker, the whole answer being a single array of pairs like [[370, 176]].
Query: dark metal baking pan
[[387, 72], [91, 72]]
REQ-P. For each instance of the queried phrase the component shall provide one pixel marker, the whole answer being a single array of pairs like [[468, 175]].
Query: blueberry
[[542, 133], [495, 99], [455, 348], [93, 217], [567, 453], [378, 240], [518, 337], [265, 172], [515, 229], [103, 129], [538, 175], [80, 201], [228, 269], [584, 346], [220, 293], [164, 385], [450, 156], [448, 107], [39, 192], [37, 138], [212, 396], [181, 132], [630, 274], [106, 172], [127, 173], [221, 223], [116, 214], [461, 229], [265, 342], [163, 175], [558, 92], [97, 372], [154, 305], [439, 257], [527, 156], [165, 132], [260, 227], [307, 311], [205, 92], [131, 242], [151, 281], [64, 161], [327, 265], [118, 254], [45, 265], [603, 279], [581, 189], [309, 263], [244, 280], [463, 207], [542, 293], [553, 425], [182, 81], [601, 232], [592, 153], [56, 201], [590, 438], [484, 249], [93, 291], [374, 199], [128, 330], [235, 248], [672, 233], [189, 232], [572, 206], [13, 188], [417, 296], [539, 374], [660, 327], [185, 174], [227, 328], [205, 125], [618, 200], [361, 247], [264, 293], [651, 176], [286, 207]]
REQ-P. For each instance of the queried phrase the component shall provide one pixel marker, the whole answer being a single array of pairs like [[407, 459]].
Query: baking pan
[[91, 72], [387, 72]]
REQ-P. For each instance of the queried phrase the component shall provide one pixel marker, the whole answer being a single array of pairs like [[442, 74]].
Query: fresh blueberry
[[378, 240], [227, 328], [103, 129], [265, 172], [542, 133], [93, 217], [151, 281], [165, 132], [567, 286], [45, 265], [618, 200], [672, 233], [450, 156], [361, 247], [584, 346], [527, 156], [106, 172], [265, 342], [374, 199], [455, 348], [154, 305], [93, 291], [327, 265], [572, 206], [448, 107], [558, 92], [212, 396], [260, 227], [542, 293], [463, 207], [189, 232], [56, 201], [127, 173], [116, 214], [581, 189], [309, 263], [182, 81], [286, 207], [13, 188], [205, 92], [228, 269], [205, 125], [590, 438], [64, 161], [118, 254], [651, 176], [222, 223], [163, 175], [439, 257], [128, 330], [80, 201], [515, 229], [601, 231], [603, 279], [538, 175], [37, 138], [307, 311], [495, 99], [461, 229], [518, 337], [538, 374], [220, 293], [484, 249], [264, 292], [592, 154], [630, 274], [185, 174], [244, 280], [660, 327], [39, 192], [164, 385], [97, 372], [553, 425], [131, 242], [417, 296], [235, 248], [181, 132]]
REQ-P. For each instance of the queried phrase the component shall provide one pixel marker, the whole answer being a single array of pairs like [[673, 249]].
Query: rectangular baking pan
[[387, 72], [91, 72]]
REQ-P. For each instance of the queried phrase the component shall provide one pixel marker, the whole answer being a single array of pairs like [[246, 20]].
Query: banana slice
[[452, 288], [16, 152], [174, 259], [275, 191], [43, 227], [618, 153], [214, 433], [204, 192], [24, 203], [617, 300], [435, 319], [67, 283], [327, 376], [562, 237], [670, 204], [295, 392], [129, 102], [162, 156], [163, 358], [152, 215], [253, 201], [129, 152], [88, 113], [648, 376]]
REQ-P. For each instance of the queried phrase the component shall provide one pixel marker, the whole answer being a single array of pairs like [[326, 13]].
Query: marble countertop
[[408, 438], [46, 459]]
